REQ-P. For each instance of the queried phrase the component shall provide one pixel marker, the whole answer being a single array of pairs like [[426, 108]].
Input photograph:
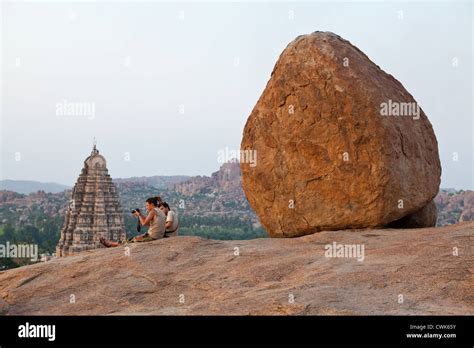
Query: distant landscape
[[212, 207], [28, 186]]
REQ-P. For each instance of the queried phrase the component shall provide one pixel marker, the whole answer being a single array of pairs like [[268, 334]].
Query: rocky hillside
[[218, 211], [227, 179], [403, 272], [454, 206], [218, 194], [155, 181]]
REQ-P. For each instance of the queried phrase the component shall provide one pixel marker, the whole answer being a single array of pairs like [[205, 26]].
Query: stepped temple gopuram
[[94, 210]]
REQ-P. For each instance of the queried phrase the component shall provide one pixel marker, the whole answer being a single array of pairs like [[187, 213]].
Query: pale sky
[[174, 83]]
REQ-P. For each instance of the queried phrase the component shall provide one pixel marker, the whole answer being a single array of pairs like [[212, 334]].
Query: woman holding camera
[[155, 220]]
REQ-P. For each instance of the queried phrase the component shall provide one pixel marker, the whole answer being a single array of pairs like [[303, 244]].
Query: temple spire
[[95, 210], [94, 149]]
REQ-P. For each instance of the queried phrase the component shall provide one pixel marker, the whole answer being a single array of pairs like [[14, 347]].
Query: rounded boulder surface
[[339, 143]]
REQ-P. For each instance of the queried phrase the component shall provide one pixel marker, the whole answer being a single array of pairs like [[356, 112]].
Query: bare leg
[[108, 243]]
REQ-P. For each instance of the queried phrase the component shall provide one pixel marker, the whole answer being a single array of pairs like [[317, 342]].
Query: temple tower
[[94, 209]]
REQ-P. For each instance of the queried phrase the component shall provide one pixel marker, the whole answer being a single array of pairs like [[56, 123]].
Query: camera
[[135, 210]]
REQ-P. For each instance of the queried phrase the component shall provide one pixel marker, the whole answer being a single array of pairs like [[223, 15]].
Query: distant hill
[[227, 180], [157, 181], [26, 186], [29, 186]]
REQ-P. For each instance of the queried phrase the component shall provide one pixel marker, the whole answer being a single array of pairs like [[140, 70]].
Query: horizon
[[188, 176]]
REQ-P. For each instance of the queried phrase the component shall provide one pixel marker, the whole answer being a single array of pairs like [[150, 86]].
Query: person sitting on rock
[[172, 223], [155, 220]]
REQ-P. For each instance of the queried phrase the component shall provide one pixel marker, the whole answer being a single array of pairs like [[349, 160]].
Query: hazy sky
[[171, 84]]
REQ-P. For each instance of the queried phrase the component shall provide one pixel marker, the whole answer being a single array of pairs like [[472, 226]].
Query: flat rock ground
[[191, 275]]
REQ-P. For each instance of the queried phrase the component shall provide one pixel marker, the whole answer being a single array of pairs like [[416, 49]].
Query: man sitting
[[172, 223]]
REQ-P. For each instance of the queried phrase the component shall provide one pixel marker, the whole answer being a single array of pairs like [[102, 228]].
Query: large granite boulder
[[339, 143]]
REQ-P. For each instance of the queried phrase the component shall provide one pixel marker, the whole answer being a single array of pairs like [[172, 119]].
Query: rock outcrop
[[226, 179], [340, 144], [431, 268]]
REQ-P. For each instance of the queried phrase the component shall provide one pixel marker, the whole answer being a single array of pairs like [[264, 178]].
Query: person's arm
[[145, 220], [169, 221]]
